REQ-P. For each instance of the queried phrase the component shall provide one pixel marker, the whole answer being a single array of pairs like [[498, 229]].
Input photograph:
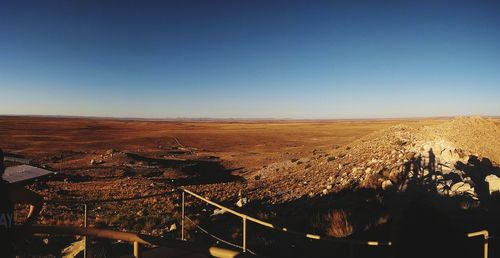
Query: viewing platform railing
[[136, 239]]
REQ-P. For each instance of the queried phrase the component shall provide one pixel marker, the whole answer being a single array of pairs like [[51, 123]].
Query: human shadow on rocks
[[477, 170], [419, 223], [419, 173]]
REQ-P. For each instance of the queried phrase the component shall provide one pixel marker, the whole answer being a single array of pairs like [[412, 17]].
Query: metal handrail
[[87, 232], [136, 239], [486, 236], [245, 217], [91, 232]]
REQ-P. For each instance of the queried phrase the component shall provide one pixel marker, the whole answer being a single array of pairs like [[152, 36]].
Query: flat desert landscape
[[316, 176]]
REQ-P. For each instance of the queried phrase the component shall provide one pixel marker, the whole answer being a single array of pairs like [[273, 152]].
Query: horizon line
[[166, 119]]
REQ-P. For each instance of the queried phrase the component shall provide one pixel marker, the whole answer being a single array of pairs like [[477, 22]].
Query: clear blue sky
[[250, 59]]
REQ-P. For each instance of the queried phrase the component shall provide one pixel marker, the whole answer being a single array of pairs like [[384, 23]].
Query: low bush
[[338, 224]]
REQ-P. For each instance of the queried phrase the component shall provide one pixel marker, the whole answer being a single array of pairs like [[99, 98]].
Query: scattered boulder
[[218, 212], [394, 175], [493, 183], [387, 185], [450, 156], [241, 202], [94, 162], [443, 188], [462, 188]]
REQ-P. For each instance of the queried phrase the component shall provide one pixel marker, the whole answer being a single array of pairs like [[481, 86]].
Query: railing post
[[136, 249], [486, 236], [485, 247], [85, 242], [244, 233], [182, 218]]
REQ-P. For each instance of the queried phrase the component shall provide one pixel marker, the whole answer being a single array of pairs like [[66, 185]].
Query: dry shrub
[[338, 224]]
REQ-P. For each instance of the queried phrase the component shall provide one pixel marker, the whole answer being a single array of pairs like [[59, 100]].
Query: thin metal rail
[[218, 238], [135, 239], [245, 217], [486, 236]]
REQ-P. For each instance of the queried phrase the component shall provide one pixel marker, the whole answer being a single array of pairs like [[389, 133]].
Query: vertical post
[[486, 236], [85, 215], [485, 247], [136, 249], [85, 243], [244, 234], [182, 217]]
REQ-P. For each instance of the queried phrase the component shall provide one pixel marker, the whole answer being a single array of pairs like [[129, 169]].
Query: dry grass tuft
[[338, 224]]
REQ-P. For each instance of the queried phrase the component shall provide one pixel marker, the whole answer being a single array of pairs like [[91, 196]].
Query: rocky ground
[[307, 191], [375, 161], [378, 160]]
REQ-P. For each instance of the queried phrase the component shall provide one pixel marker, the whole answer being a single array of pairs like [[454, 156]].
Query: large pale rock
[[493, 183], [218, 212], [394, 174], [241, 202], [460, 188], [450, 156], [94, 162], [387, 184], [442, 189]]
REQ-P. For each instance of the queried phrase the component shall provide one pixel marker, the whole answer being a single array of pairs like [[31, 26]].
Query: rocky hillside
[[385, 159]]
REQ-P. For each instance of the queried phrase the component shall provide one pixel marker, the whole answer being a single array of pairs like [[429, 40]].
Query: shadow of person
[[417, 169], [477, 170], [407, 177], [432, 162], [414, 177]]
